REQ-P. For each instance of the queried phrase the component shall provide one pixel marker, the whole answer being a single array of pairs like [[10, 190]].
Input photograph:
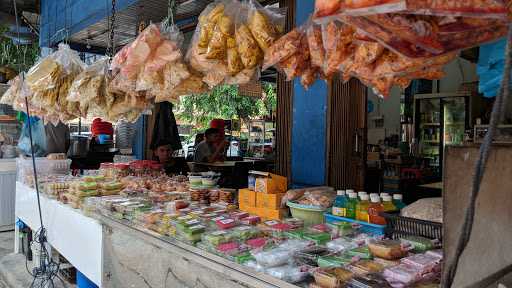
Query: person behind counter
[[210, 149], [163, 154], [57, 138]]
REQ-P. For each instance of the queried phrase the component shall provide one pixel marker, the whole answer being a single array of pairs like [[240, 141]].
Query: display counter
[[112, 253], [140, 258], [77, 237]]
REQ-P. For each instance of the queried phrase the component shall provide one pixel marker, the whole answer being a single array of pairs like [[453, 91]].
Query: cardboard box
[[373, 156], [269, 201], [249, 209], [246, 197], [269, 183], [272, 214]]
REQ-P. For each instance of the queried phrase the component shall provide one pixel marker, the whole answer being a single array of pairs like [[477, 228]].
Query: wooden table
[[222, 164], [435, 185]]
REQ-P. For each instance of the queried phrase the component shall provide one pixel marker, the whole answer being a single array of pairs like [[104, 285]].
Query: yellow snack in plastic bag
[[250, 52], [235, 64], [217, 45], [262, 29]]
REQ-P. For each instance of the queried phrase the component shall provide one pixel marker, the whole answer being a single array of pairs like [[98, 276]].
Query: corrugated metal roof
[[145, 10], [126, 21]]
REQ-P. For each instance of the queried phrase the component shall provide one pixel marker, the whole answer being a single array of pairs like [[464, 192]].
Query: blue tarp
[[491, 63]]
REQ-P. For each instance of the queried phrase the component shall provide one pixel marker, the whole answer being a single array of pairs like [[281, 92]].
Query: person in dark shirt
[[210, 149], [57, 138], [163, 154]]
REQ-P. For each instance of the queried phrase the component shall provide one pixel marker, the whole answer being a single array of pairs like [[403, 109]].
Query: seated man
[[163, 154], [210, 149]]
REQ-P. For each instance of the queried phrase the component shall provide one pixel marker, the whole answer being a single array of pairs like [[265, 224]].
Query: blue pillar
[[309, 127]]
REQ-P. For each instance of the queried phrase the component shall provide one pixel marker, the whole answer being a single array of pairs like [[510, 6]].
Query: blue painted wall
[[60, 18], [309, 128]]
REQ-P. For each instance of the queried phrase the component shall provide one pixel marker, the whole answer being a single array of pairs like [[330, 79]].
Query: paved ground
[[6, 247], [13, 272]]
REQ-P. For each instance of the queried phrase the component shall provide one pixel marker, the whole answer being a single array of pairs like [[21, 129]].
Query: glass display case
[[440, 120]]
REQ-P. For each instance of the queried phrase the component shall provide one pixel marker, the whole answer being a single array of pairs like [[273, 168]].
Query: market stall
[[121, 214], [264, 235]]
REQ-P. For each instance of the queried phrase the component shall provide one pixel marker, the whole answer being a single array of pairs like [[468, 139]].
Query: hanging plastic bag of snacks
[[316, 45], [89, 84], [10, 95], [337, 38], [283, 48], [266, 24]]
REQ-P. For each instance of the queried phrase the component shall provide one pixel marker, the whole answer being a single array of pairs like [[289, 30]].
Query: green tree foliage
[[19, 58], [225, 102]]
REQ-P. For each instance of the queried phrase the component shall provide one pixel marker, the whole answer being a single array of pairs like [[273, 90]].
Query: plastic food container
[[387, 249], [288, 273], [226, 223], [195, 181], [361, 252], [341, 244], [363, 267], [230, 248], [256, 242], [419, 244], [335, 260], [402, 273], [341, 228], [251, 220], [318, 238], [332, 277], [239, 215], [245, 232], [274, 257], [368, 281]]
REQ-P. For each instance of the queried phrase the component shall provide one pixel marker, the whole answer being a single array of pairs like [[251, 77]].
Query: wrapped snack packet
[[266, 24], [338, 46], [327, 7]]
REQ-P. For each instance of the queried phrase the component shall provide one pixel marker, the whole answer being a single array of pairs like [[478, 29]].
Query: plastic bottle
[[352, 205], [387, 203], [340, 204], [397, 201], [361, 193], [362, 208], [374, 211], [382, 195]]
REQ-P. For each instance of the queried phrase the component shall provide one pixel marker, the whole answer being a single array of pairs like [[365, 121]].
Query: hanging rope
[[46, 270], [110, 45], [498, 113], [171, 14]]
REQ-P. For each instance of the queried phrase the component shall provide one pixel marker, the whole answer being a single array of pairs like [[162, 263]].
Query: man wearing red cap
[[210, 149]]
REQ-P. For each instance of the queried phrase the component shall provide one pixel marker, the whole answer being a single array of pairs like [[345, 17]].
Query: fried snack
[[243, 77], [44, 75], [235, 64], [217, 45], [249, 51], [296, 64], [207, 24], [283, 48], [338, 46], [12, 92], [327, 7], [368, 52], [262, 29], [316, 45], [308, 77], [174, 74]]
